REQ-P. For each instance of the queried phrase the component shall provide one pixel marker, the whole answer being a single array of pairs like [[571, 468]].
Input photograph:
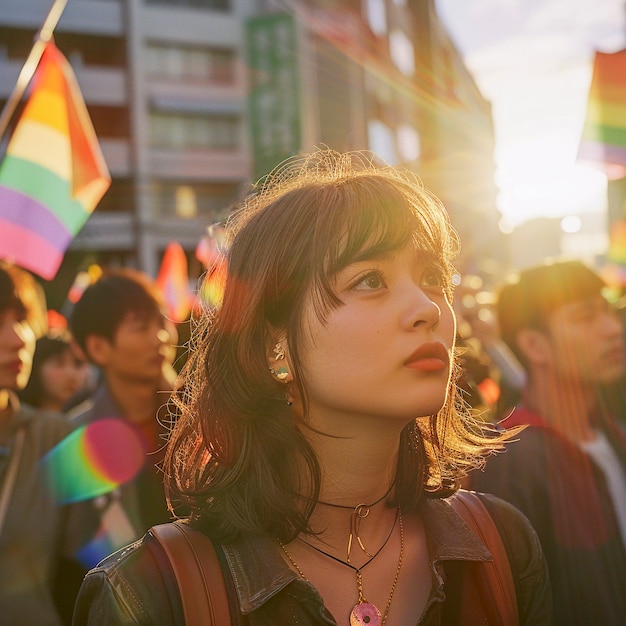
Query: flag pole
[[30, 65]]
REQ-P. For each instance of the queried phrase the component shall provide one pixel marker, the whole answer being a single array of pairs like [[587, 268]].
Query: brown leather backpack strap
[[198, 573], [498, 571]]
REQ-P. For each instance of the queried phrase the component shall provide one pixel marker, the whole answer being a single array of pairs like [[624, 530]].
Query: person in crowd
[[32, 522], [59, 373], [567, 471], [119, 324], [613, 394], [319, 439], [492, 375]]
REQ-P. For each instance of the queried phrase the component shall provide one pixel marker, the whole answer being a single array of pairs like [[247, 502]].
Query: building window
[[222, 5], [402, 52], [382, 141], [188, 200], [184, 130], [101, 50], [119, 197], [110, 121], [409, 145], [186, 204], [191, 63], [376, 14]]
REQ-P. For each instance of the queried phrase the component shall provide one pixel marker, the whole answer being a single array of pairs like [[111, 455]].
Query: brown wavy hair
[[237, 458]]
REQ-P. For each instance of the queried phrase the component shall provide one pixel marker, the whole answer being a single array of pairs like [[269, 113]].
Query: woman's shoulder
[[517, 533], [131, 586], [518, 536]]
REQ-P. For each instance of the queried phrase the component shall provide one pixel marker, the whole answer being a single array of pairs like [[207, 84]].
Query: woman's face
[[386, 352], [62, 376], [17, 346]]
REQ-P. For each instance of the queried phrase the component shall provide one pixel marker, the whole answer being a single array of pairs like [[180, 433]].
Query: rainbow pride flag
[[53, 173], [603, 140]]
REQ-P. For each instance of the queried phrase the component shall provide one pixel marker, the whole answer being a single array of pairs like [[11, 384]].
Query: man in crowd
[[120, 325], [567, 469]]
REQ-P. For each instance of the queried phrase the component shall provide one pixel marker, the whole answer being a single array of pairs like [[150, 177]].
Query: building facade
[[192, 100]]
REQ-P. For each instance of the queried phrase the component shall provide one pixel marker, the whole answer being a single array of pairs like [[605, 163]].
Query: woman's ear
[[278, 359]]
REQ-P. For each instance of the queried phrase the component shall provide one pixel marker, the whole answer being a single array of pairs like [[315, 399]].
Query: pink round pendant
[[365, 613]]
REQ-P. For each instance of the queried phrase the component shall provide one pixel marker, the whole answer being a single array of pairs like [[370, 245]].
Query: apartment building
[[192, 100]]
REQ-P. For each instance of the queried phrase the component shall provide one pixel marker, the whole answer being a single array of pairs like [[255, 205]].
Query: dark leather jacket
[[128, 587]]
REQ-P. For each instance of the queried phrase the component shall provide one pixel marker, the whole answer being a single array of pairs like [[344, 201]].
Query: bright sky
[[533, 60]]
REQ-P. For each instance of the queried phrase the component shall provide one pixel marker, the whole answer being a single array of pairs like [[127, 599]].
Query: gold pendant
[[365, 613]]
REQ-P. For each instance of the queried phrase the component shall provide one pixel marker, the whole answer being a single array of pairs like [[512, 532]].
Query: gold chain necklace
[[363, 612]]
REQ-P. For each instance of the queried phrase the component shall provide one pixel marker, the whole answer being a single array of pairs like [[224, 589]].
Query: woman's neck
[[355, 471]]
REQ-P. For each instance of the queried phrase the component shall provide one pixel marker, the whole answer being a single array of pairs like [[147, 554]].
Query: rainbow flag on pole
[[603, 141], [53, 173]]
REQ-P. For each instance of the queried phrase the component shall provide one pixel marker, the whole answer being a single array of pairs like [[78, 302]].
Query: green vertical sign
[[274, 96]]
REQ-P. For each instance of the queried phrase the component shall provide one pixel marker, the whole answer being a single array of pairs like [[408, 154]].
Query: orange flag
[[173, 280]]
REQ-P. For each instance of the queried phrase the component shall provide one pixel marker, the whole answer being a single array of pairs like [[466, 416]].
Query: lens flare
[[93, 460]]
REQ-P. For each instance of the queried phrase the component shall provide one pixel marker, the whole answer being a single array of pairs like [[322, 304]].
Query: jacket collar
[[259, 570]]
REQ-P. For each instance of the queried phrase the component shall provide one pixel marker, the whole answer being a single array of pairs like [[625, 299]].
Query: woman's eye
[[433, 277], [372, 280]]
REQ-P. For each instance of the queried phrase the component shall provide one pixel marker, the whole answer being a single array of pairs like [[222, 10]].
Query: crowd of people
[[48, 394], [338, 415]]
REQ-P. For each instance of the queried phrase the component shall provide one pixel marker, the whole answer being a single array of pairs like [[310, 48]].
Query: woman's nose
[[16, 336], [422, 311]]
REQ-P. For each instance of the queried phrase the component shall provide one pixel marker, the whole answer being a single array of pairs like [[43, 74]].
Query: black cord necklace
[[372, 556], [363, 612], [359, 513]]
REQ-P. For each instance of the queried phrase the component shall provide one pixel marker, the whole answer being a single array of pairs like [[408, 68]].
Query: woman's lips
[[429, 357], [15, 366]]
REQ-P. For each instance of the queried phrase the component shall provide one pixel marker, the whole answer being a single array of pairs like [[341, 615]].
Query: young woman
[[320, 433], [59, 373]]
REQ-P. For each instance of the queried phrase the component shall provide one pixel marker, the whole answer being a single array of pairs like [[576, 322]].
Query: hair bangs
[[374, 227], [371, 216]]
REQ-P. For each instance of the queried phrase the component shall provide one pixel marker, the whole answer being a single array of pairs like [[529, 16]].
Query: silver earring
[[279, 352], [281, 373]]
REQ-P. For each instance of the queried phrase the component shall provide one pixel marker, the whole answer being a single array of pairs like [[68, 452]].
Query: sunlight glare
[[571, 224], [537, 179]]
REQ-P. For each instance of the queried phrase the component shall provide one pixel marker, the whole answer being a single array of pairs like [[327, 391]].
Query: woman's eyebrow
[[376, 254], [371, 254]]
